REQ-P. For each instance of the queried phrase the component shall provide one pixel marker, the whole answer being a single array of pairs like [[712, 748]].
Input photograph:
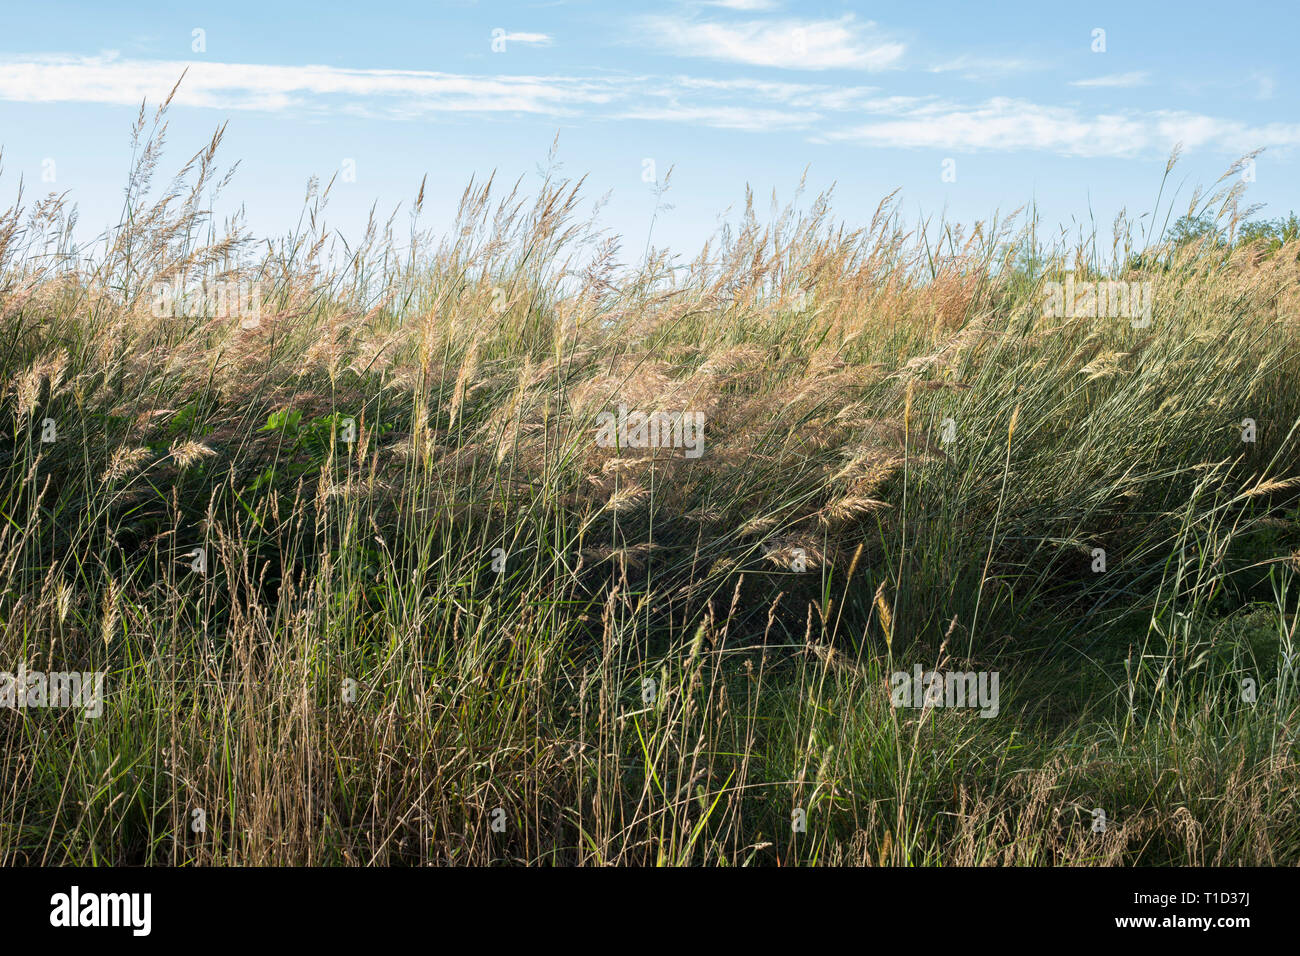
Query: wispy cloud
[[815, 96], [533, 39], [1120, 80], [747, 5], [275, 88], [723, 117], [974, 67], [822, 112], [1012, 125], [792, 44], [110, 79], [1265, 85]]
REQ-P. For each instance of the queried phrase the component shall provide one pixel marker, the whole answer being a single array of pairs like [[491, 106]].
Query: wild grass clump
[[367, 590]]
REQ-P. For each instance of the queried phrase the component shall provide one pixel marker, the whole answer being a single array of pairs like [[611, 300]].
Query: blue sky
[[871, 97]]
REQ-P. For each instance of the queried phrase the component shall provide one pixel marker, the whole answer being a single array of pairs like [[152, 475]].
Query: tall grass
[[472, 635]]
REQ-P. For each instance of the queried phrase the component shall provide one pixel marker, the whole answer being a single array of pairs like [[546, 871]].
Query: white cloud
[[1004, 124], [825, 112], [842, 44], [251, 86], [1122, 80], [748, 5], [977, 66], [535, 39], [801, 95], [110, 79], [723, 117]]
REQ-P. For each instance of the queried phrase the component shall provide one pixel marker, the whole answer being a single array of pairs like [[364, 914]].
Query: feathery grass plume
[[853, 564], [27, 385], [125, 461], [907, 407], [109, 613], [886, 615], [626, 498], [759, 524], [1268, 487], [188, 452], [868, 470], [787, 554], [848, 508], [468, 368], [63, 601]]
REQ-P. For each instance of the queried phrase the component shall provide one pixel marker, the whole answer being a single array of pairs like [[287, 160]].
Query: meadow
[[335, 524]]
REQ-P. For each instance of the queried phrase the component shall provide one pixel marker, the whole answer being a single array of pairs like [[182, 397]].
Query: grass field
[[367, 587]]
